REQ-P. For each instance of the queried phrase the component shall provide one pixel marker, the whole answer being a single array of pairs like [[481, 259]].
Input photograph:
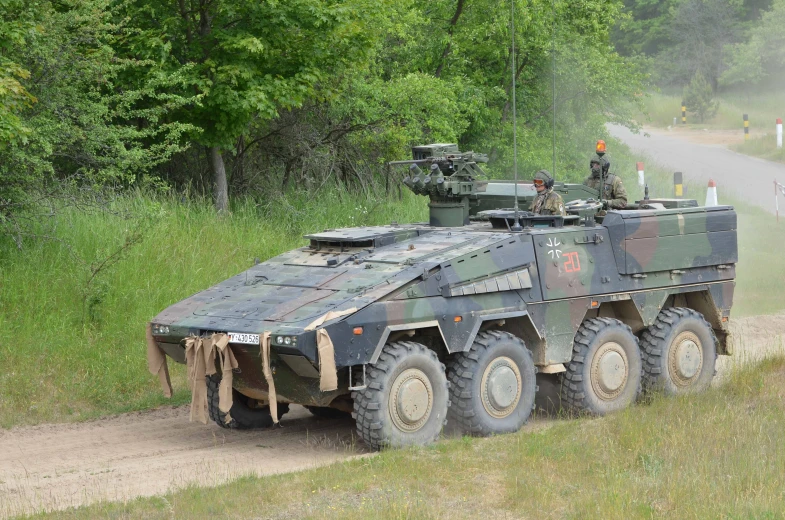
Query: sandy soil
[[53, 467]]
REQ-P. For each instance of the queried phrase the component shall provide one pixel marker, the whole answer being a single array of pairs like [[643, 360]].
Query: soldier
[[547, 202], [614, 195]]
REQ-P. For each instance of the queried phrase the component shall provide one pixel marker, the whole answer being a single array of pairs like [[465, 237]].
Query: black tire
[[663, 368], [499, 355], [380, 422], [594, 382], [243, 417], [325, 412]]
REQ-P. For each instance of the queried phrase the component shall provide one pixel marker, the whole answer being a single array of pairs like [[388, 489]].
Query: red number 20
[[573, 263]]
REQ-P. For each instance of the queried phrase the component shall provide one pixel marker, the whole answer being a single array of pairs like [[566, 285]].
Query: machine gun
[[451, 178]]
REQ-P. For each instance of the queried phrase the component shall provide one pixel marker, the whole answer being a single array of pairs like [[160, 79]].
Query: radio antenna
[[516, 226], [553, 85]]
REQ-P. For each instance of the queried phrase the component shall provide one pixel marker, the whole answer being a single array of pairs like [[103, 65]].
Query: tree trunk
[[220, 186]]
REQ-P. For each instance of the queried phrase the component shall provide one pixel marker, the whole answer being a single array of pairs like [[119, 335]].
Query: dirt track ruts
[[56, 466]]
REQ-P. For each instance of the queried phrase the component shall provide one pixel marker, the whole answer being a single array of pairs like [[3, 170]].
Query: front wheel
[[405, 401], [492, 385], [242, 415]]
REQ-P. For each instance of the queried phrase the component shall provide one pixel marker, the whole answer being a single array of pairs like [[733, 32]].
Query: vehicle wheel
[[492, 386], [606, 368], [325, 412], [406, 399], [679, 352], [244, 417]]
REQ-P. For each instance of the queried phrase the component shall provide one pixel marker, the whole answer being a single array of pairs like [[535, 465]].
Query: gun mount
[[450, 178]]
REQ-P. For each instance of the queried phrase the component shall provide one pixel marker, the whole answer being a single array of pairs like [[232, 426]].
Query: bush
[[699, 97]]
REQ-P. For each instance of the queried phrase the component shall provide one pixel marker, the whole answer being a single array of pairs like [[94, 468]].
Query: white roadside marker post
[[641, 180], [779, 133]]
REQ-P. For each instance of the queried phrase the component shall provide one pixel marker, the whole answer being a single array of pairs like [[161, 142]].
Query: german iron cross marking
[[553, 243]]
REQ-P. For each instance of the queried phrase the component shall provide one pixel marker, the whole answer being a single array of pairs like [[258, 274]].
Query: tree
[[248, 59], [699, 97], [72, 122], [763, 54]]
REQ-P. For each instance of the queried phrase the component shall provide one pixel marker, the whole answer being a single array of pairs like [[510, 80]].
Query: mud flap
[[156, 363], [200, 359], [328, 373]]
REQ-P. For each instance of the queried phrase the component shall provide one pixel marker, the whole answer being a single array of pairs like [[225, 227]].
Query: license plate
[[241, 337]]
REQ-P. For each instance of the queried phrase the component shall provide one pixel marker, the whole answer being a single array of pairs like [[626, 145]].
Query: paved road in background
[[747, 179]]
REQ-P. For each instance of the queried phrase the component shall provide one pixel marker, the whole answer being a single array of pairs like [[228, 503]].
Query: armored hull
[[444, 288]]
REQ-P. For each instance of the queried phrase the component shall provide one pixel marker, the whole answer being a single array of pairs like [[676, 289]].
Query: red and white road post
[[641, 179], [779, 133]]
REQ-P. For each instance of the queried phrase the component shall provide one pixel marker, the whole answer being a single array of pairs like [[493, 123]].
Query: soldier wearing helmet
[[614, 195], [547, 201]]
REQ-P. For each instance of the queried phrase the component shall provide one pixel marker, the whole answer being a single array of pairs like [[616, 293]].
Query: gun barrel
[[410, 161]]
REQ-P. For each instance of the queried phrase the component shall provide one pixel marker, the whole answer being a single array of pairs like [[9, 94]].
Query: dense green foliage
[[726, 41], [246, 97]]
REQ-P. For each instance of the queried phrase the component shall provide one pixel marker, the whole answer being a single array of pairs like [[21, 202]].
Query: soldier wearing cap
[[547, 201]]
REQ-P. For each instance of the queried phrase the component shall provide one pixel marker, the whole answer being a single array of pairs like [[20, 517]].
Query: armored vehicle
[[407, 325]]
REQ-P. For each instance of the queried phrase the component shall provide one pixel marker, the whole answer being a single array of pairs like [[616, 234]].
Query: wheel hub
[[411, 400], [501, 387], [609, 371], [685, 359]]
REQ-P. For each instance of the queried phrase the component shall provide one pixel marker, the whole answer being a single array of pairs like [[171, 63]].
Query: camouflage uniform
[[547, 203], [614, 193]]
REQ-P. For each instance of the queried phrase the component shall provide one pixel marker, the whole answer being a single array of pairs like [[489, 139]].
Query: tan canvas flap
[[328, 374], [200, 356], [329, 316], [156, 362], [265, 341]]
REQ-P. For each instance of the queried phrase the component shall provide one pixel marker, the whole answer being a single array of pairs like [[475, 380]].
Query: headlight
[[160, 329], [285, 341]]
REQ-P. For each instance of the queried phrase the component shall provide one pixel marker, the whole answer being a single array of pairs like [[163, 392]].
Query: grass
[[74, 349], [764, 146], [714, 455]]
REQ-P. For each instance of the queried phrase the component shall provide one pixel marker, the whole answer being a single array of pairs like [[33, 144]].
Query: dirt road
[[748, 178], [53, 467]]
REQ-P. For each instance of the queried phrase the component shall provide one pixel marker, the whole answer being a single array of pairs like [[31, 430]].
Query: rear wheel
[[606, 369], [679, 352], [492, 386], [406, 398], [244, 416]]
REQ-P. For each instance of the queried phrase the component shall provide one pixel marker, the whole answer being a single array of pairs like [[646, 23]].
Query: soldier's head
[[542, 180], [599, 164]]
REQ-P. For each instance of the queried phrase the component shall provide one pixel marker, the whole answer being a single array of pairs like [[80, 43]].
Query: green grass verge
[[714, 455], [74, 349], [764, 146]]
